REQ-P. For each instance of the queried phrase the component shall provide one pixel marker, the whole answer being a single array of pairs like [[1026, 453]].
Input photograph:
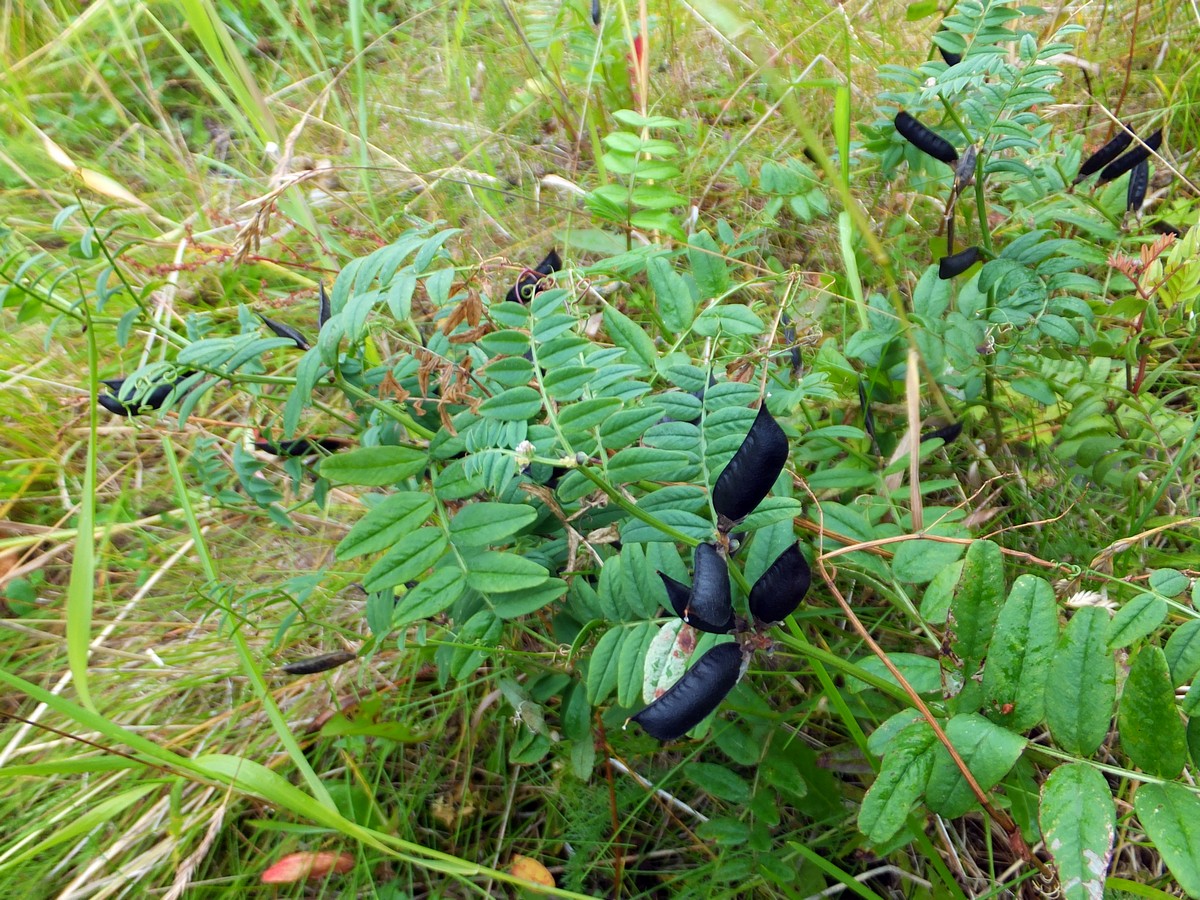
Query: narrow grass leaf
[[1079, 823], [1170, 813], [1151, 730]]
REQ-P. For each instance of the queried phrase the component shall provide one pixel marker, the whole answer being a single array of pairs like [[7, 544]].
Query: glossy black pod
[[323, 311], [1123, 164], [747, 479], [694, 696], [925, 139], [1104, 155], [710, 607], [778, 592], [947, 433], [286, 331], [1139, 180], [957, 263], [529, 282], [154, 399], [322, 663]]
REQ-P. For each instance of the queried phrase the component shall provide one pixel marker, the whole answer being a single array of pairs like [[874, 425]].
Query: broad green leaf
[[627, 333], [648, 464], [1079, 823], [587, 414], [518, 404], [631, 662], [666, 660], [717, 781], [397, 516], [374, 466], [1151, 731], [901, 781], [708, 265], [1183, 652], [989, 752], [567, 382], [1020, 653], [973, 613], [410, 557], [675, 303], [494, 572], [439, 591], [477, 641], [1169, 582], [724, 831], [1081, 684], [935, 604], [918, 561], [729, 319], [923, 673], [1135, 620], [523, 602], [1170, 813], [603, 665], [483, 522]]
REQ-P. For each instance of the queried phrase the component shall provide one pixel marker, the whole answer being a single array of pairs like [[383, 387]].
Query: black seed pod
[[780, 589], [324, 311], [694, 696], [1104, 155], [925, 140], [679, 595], [947, 433], [154, 399], [949, 266], [286, 331], [710, 607], [319, 663], [1123, 164], [529, 282], [743, 483], [952, 59], [964, 170], [301, 446], [1139, 180], [596, 12]]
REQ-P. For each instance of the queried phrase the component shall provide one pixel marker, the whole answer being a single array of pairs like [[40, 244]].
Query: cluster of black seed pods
[[707, 604]]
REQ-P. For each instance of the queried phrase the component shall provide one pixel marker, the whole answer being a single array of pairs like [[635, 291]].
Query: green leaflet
[[1079, 823], [1170, 813], [906, 768], [1151, 731], [1081, 683], [989, 752], [1020, 653], [374, 466]]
